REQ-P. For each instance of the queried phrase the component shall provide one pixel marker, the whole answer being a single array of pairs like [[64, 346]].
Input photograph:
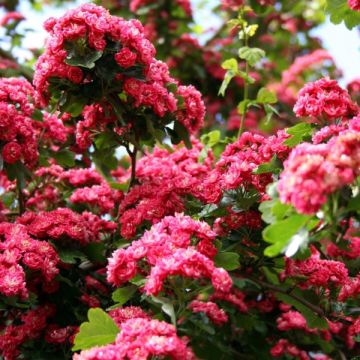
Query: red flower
[[11, 152]]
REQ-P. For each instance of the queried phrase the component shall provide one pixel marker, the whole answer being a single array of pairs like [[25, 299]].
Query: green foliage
[[122, 295], [340, 11], [227, 260], [300, 132], [99, 330], [251, 55]]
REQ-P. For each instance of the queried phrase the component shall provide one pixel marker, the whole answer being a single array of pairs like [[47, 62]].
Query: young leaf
[[251, 55], [299, 132], [228, 77], [272, 166], [266, 96], [99, 330], [279, 233], [339, 11]]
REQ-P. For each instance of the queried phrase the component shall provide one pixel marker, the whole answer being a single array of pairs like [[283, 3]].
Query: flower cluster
[[170, 249], [165, 177], [213, 312], [317, 272], [120, 45], [239, 160], [17, 133], [141, 338], [312, 172], [18, 252], [324, 98], [65, 225], [33, 322]]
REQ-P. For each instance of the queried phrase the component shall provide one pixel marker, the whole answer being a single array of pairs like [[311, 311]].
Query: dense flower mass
[[121, 47], [140, 339], [139, 221], [165, 179], [65, 225], [169, 248], [237, 163], [324, 98], [313, 172], [18, 252], [17, 133]]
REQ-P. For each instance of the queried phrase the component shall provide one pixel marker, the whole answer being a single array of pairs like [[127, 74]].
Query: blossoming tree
[[170, 191]]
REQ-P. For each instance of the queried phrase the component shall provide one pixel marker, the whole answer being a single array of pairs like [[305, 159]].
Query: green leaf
[[340, 11], [279, 233], [69, 256], [243, 106], [265, 96], [228, 77], [313, 320], [354, 204], [64, 157], [230, 64], [38, 115], [212, 138], [227, 260], [122, 295], [105, 140], [99, 330], [86, 60], [73, 105], [251, 55], [272, 166], [299, 133], [95, 252], [167, 307], [183, 134]]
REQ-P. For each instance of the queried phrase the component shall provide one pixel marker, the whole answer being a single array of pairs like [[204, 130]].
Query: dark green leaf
[[227, 260], [64, 157], [122, 295]]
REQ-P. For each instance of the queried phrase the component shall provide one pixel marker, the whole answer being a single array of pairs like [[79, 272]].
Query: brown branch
[[316, 309]]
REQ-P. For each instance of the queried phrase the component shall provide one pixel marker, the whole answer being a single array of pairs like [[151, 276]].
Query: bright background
[[343, 44]]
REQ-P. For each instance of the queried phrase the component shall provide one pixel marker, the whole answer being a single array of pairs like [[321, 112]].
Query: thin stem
[[132, 155], [21, 199], [246, 87], [316, 309]]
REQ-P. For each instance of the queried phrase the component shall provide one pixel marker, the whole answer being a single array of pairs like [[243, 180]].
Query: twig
[[316, 309]]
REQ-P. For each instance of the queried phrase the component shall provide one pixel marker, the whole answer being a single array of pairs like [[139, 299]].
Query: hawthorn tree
[[176, 191]]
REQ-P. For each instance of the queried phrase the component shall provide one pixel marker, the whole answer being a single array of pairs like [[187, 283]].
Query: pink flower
[[324, 98], [142, 338], [354, 4], [213, 312], [312, 172], [125, 58]]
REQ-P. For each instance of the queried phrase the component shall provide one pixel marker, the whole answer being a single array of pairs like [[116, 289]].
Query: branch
[[316, 309]]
